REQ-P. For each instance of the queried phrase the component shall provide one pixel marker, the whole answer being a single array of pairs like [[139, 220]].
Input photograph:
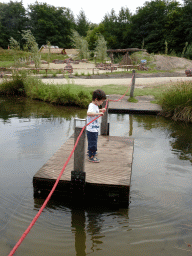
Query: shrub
[[15, 86]]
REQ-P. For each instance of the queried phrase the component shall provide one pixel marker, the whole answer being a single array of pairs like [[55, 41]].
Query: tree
[[13, 20], [154, 23], [110, 22], [101, 49], [49, 23], [14, 44], [81, 44], [32, 46], [82, 25], [123, 23], [93, 34], [187, 20]]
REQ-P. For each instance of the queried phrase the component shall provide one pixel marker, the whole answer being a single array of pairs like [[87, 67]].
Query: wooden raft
[[107, 181]]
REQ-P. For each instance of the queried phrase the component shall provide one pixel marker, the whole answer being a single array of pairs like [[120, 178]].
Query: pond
[[158, 220]]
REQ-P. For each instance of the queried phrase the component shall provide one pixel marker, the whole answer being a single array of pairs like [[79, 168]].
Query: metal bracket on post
[[104, 123], [78, 175]]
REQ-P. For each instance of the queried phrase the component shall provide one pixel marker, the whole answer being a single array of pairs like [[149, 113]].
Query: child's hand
[[103, 110]]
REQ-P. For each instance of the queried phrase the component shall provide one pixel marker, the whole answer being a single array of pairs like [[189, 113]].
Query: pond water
[[158, 220]]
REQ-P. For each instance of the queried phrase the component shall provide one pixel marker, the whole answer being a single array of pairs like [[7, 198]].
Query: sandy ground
[[139, 82], [162, 62]]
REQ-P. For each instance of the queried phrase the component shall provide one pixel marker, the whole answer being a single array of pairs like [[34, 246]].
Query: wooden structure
[[107, 182], [126, 60]]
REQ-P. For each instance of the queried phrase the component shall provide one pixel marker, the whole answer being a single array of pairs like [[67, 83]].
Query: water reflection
[[26, 108], [179, 134], [88, 224], [78, 227]]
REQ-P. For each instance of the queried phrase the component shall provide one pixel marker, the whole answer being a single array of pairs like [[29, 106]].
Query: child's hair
[[99, 95]]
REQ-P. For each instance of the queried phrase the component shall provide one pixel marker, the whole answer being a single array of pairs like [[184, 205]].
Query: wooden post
[[104, 123], [79, 153], [133, 84], [78, 174]]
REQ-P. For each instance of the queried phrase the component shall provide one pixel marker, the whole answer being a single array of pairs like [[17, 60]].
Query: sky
[[94, 10]]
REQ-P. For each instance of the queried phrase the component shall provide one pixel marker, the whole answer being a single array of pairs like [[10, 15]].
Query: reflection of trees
[[180, 133], [26, 108], [183, 142]]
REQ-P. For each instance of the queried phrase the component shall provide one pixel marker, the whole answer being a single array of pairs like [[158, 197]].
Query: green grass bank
[[176, 99]]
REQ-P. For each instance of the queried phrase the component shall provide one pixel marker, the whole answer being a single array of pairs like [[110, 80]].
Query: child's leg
[[92, 143]]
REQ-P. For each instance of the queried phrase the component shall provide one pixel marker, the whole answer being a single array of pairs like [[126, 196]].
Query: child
[[92, 129]]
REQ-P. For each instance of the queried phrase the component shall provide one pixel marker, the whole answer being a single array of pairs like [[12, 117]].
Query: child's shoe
[[94, 159]]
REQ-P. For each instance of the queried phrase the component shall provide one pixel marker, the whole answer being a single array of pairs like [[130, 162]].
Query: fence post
[[104, 123], [133, 84]]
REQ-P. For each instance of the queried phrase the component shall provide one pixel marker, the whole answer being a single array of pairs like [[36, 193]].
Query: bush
[[15, 86]]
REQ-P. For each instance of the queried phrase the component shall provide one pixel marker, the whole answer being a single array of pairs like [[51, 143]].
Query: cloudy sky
[[94, 10]]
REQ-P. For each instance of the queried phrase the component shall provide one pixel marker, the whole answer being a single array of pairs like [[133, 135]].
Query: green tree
[[82, 24], [173, 28], [123, 27], [110, 22], [147, 24], [51, 24], [101, 49], [13, 20], [32, 46], [81, 44], [14, 44], [93, 34], [186, 20], [153, 23]]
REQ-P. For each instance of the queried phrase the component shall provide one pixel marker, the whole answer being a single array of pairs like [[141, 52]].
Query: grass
[[6, 64], [176, 101], [121, 89], [34, 88], [133, 100]]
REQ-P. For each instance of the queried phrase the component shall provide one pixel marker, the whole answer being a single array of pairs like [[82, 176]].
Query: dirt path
[[139, 82]]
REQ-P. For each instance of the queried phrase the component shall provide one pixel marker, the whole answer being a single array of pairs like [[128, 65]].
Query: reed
[[176, 101]]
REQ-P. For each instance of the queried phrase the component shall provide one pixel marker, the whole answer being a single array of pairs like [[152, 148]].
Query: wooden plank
[[115, 153]]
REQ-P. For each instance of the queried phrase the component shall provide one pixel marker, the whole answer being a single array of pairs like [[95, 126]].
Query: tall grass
[[34, 88], [176, 101], [61, 94]]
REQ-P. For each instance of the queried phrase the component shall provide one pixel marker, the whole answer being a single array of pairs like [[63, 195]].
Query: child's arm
[[94, 114]]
